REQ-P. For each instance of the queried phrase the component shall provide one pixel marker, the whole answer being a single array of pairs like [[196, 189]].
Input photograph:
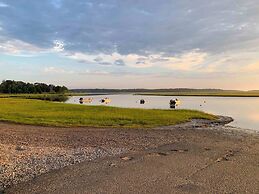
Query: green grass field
[[37, 112], [47, 97]]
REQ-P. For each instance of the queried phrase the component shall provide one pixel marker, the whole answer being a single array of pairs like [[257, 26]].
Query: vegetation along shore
[[36, 112]]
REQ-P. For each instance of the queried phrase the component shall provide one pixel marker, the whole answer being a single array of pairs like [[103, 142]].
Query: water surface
[[244, 110]]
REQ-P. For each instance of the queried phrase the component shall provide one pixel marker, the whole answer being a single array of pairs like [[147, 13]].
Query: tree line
[[19, 87]]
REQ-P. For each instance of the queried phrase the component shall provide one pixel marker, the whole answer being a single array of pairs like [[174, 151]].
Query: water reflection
[[245, 111]]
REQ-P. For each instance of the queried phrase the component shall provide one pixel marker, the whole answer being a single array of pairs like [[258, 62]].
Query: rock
[[126, 158], [224, 158], [20, 148], [112, 165], [180, 150], [1, 169]]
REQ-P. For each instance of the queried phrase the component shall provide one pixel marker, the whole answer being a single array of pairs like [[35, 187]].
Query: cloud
[[187, 61], [105, 63], [58, 45], [133, 28], [254, 67], [57, 70], [2, 5], [57, 3], [95, 72], [119, 62], [17, 47], [135, 37], [113, 59]]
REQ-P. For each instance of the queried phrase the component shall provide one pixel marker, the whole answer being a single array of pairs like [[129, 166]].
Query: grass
[[212, 94], [45, 113], [47, 97]]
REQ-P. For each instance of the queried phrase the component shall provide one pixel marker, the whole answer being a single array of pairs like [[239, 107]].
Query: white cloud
[[3, 5], [58, 45], [18, 47], [57, 70], [186, 61], [95, 72]]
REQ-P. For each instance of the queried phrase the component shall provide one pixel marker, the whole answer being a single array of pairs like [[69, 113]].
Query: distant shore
[[30, 151], [223, 94]]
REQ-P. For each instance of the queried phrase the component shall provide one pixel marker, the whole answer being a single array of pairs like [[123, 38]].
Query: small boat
[[142, 101], [85, 100], [106, 100], [88, 100], [178, 102], [174, 102]]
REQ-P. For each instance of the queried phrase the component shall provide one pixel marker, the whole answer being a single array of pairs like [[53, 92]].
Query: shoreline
[[35, 155], [201, 95]]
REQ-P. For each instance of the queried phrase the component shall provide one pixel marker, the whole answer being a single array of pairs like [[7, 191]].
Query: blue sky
[[131, 43]]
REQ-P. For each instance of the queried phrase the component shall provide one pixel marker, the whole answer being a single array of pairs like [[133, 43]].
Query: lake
[[244, 110]]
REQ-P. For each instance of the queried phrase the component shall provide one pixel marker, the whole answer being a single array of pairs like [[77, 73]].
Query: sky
[[131, 43]]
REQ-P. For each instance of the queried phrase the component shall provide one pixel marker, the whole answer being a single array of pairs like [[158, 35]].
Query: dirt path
[[197, 157]]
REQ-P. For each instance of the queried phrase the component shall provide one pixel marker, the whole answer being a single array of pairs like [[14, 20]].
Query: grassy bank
[[212, 94], [47, 97], [37, 112]]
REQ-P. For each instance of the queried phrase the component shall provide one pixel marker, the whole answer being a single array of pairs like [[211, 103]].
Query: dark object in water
[[81, 100], [172, 103], [142, 101]]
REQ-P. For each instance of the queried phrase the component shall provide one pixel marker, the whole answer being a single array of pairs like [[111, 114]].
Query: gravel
[[29, 151], [19, 165]]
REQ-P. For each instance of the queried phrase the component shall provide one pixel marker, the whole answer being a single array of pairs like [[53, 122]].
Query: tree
[[18, 87]]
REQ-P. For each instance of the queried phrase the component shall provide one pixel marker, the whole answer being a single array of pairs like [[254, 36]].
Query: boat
[[85, 100], [178, 102], [106, 100]]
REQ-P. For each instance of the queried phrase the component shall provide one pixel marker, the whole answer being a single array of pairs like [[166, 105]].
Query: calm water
[[245, 111]]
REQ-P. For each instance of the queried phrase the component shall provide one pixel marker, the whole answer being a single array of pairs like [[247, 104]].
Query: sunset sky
[[131, 43]]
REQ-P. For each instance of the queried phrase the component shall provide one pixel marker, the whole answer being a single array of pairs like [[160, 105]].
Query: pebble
[[20, 148], [112, 165], [127, 158]]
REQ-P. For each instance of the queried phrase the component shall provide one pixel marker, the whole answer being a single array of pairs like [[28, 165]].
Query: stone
[[126, 158], [20, 148], [112, 165]]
